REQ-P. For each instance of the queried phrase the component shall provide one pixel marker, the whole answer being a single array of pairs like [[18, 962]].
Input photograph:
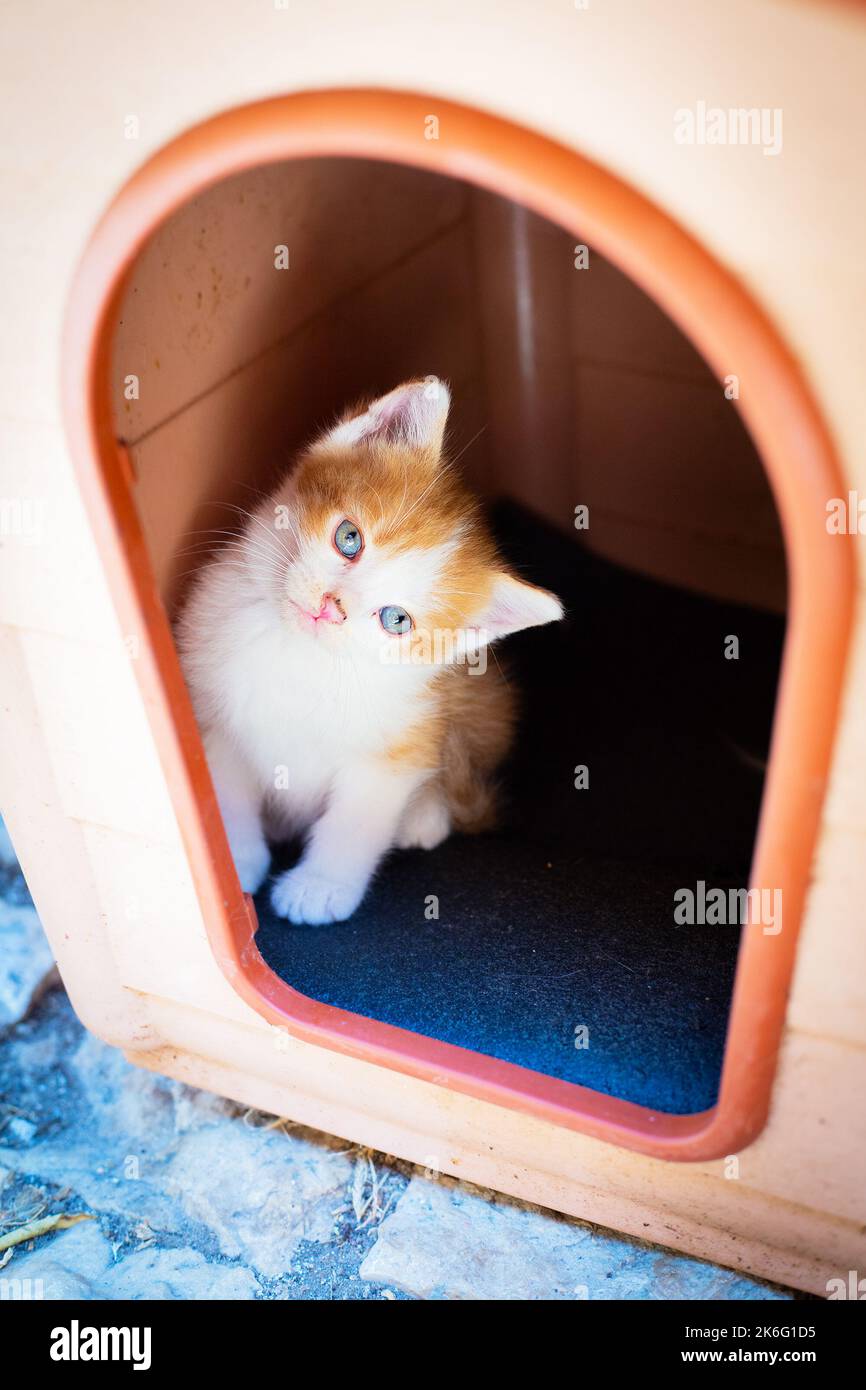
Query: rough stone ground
[[193, 1198]]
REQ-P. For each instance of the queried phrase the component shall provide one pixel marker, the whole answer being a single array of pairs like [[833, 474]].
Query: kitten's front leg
[[240, 803], [346, 844]]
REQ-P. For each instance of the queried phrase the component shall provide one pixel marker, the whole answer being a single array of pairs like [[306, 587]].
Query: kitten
[[336, 657]]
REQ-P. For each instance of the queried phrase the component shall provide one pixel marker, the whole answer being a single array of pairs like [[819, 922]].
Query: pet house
[[656, 390]]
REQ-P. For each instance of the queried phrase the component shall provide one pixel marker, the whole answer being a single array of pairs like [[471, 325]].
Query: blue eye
[[394, 619], [348, 539]]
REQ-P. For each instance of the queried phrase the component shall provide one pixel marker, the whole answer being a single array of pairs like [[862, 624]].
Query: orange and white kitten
[[335, 653]]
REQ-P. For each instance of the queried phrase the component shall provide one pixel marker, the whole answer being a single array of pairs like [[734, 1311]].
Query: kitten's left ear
[[514, 605], [413, 414]]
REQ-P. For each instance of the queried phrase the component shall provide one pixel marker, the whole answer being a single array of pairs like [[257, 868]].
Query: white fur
[[425, 823], [298, 716], [296, 722]]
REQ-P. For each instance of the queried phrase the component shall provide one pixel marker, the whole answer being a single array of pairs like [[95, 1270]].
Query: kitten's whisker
[[271, 532], [399, 517], [241, 538], [274, 545], [370, 488], [240, 547], [462, 593], [256, 491], [451, 462], [416, 504]]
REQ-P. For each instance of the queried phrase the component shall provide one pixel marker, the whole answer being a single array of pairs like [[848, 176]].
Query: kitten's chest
[[302, 715]]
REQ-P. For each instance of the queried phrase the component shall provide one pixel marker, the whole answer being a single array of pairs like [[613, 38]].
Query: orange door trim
[[731, 332]]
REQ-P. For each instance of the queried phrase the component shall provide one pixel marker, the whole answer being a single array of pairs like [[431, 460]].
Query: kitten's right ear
[[413, 415], [514, 605]]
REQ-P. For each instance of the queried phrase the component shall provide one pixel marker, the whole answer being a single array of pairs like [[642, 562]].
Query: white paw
[[252, 861], [425, 823], [307, 897]]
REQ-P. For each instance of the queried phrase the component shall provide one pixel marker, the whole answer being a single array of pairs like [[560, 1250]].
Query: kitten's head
[[385, 554]]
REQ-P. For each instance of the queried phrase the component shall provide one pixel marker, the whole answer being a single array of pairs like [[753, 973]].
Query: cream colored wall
[[673, 484], [608, 74], [596, 398]]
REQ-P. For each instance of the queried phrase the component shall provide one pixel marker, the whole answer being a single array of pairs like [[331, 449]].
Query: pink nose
[[330, 611]]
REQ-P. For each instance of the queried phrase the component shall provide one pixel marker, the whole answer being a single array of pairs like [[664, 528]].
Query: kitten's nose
[[330, 610]]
